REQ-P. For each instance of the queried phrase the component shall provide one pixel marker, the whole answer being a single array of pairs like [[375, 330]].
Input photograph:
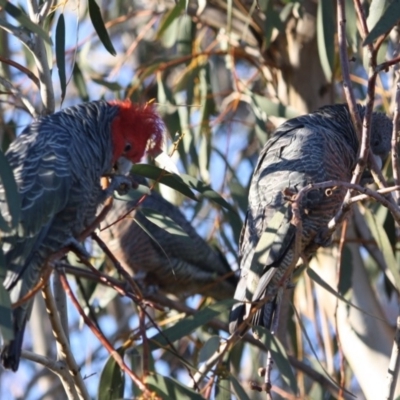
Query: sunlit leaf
[[383, 243], [383, 15], [171, 16], [112, 380], [185, 35], [169, 388], [310, 343], [209, 348], [24, 20], [60, 54], [164, 222], [98, 24], [167, 178], [317, 279]]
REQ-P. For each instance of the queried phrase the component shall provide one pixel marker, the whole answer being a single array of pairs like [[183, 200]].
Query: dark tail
[[11, 352]]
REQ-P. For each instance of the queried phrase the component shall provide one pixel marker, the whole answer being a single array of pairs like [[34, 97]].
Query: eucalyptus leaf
[[112, 380], [98, 24]]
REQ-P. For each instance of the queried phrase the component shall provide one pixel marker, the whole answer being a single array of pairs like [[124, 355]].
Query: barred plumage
[[58, 162], [314, 148], [177, 264]]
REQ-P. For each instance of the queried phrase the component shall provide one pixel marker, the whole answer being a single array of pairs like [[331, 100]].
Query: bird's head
[[136, 130]]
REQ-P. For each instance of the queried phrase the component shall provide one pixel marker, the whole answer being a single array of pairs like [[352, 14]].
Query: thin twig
[[64, 351], [394, 365], [117, 357], [57, 368]]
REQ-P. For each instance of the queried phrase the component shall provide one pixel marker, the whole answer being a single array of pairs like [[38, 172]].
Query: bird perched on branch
[[318, 147], [58, 162], [173, 256]]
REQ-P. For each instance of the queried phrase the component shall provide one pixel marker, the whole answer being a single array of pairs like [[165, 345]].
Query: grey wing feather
[[43, 179]]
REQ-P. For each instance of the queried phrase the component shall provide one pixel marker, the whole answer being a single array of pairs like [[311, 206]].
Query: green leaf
[[25, 21], [326, 31], [263, 107], [112, 380], [98, 24], [80, 82], [60, 54], [171, 16], [237, 387], [170, 179], [317, 279], [383, 16], [11, 194], [114, 86], [6, 320], [222, 387], [310, 343], [185, 35], [206, 191], [279, 356], [383, 243], [169, 388], [346, 271], [189, 324], [351, 24], [209, 348], [164, 222]]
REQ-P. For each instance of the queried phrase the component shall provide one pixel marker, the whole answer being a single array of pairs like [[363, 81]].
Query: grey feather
[[313, 148], [176, 263]]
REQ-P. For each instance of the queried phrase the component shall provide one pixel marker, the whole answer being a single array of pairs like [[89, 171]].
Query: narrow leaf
[[326, 37], [304, 330], [169, 388], [170, 179], [388, 18], [112, 380], [60, 54], [80, 83], [164, 222], [237, 387], [383, 243], [317, 279], [114, 86], [11, 194], [24, 20], [209, 348], [98, 24], [189, 324], [171, 16]]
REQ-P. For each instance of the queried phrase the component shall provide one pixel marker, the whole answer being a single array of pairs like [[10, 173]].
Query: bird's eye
[[128, 147]]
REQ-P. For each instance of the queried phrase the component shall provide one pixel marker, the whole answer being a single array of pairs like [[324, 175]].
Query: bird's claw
[[122, 184]]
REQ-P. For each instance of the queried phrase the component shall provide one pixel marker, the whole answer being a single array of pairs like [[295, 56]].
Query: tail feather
[[11, 352]]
